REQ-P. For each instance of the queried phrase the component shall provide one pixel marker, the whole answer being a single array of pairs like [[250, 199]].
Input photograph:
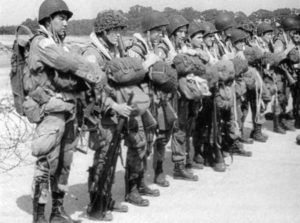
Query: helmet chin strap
[[58, 39]]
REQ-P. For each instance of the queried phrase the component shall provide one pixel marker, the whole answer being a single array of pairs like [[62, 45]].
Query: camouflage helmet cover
[[50, 7], [247, 26], [175, 22], [153, 20], [108, 20]]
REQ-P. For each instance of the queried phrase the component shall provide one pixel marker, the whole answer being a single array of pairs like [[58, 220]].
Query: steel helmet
[[237, 35], [50, 7], [264, 27], [175, 22], [205, 27], [195, 28], [153, 20], [224, 21], [291, 23], [247, 26], [108, 20]]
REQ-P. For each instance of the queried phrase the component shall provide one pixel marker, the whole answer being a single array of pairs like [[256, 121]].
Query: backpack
[[19, 67], [186, 64], [193, 87], [164, 77], [125, 71]]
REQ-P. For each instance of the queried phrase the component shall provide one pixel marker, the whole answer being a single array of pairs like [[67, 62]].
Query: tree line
[[135, 13]]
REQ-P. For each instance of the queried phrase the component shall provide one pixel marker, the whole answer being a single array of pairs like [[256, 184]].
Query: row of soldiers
[[188, 83]]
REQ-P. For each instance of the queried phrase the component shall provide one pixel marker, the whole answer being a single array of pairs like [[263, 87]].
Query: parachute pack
[[19, 68]]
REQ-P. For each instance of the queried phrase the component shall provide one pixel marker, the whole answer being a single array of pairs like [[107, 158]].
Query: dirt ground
[[261, 189]]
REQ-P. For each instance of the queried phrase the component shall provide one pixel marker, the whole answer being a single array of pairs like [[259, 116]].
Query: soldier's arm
[[61, 60], [107, 100]]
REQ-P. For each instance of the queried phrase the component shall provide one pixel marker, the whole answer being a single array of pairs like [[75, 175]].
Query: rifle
[[216, 146], [102, 178], [121, 47]]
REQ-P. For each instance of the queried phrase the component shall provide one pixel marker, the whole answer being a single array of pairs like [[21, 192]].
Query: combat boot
[[198, 159], [118, 207], [219, 163], [159, 177], [39, 213], [39, 208], [58, 214], [144, 189], [297, 122], [133, 196], [244, 139], [237, 148], [208, 156], [181, 173], [258, 135], [193, 165], [100, 217], [277, 126], [287, 125], [219, 167]]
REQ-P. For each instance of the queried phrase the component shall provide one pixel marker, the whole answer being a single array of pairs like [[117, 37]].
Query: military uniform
[[99, 53], [273, 78], [56, 79]]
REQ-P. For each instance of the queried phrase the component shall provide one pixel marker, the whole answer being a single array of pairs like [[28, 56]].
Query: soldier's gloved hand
[[122, 109], [151, 59]]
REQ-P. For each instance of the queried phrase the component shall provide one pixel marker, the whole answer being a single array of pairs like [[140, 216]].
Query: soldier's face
[[240, 45], [180, 34], [268, 37], [295, 36], [197, 40], [59, 24], [112, 35], [156, 35], [209, 40]]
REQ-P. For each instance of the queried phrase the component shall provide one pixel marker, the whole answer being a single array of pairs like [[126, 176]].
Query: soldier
[[154, 25], [289, 37], [273, 76], [100, 138], [225, 24], [202, 37], [56, 79], [187, 109], [238, 40], [106, 47], [256, 94]]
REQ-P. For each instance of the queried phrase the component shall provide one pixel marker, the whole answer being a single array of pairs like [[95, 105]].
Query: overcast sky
[[13, 12]]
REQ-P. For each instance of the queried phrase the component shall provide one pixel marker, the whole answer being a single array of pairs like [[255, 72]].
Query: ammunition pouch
[[166, 115], [148, 120]]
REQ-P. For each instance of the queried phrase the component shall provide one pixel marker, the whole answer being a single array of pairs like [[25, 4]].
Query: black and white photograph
[[139, 111]]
